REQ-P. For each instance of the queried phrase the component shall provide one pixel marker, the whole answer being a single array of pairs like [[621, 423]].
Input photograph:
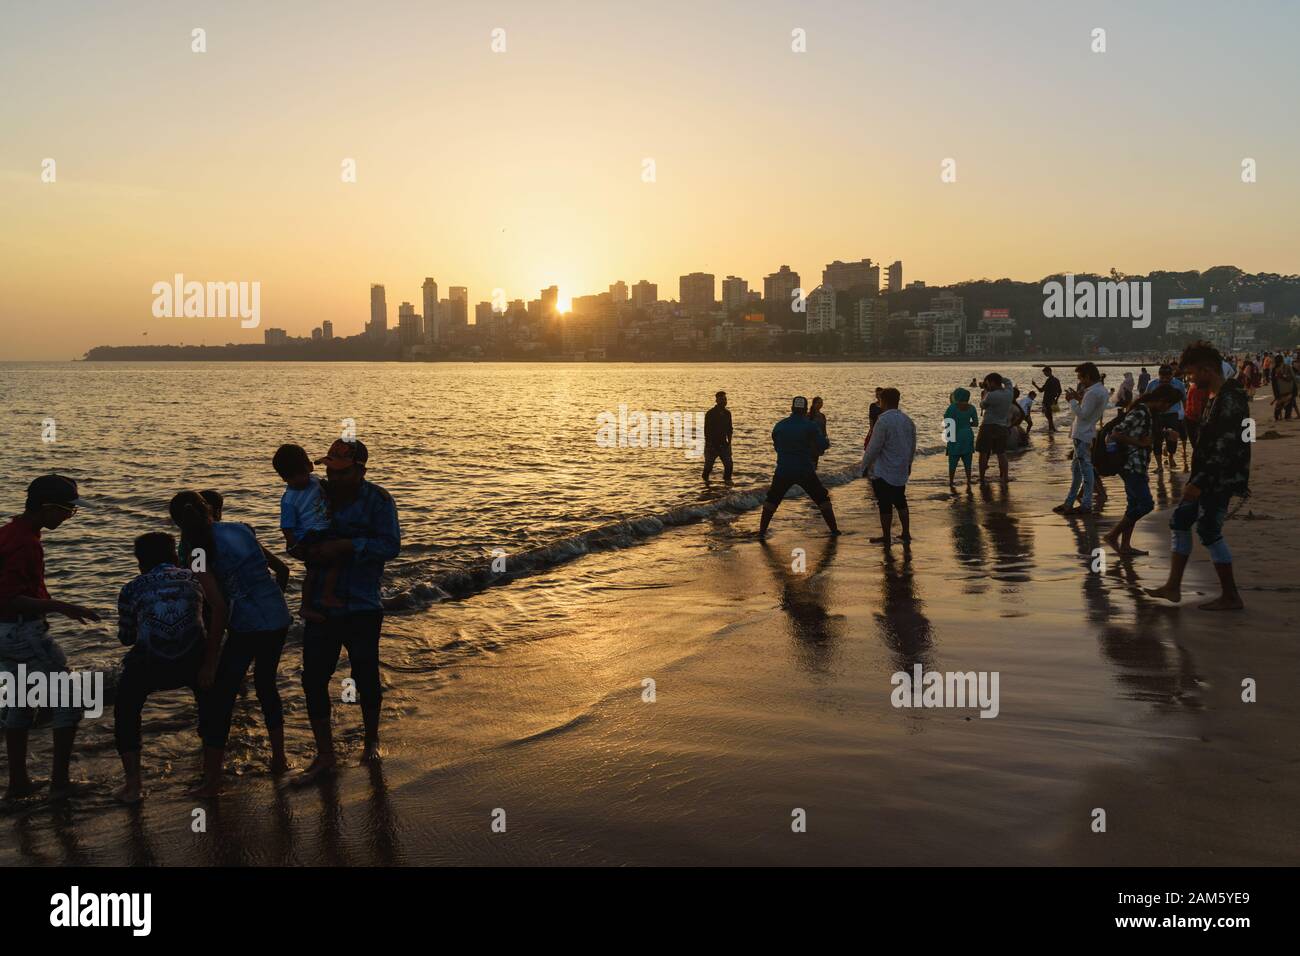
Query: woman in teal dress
[[964, 418]]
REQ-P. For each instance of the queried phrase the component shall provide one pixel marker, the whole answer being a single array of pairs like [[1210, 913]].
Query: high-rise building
[[430, 289], [327, 330], [946, 320], [778, 288], [894, 277], [458, 296], [696, 292], [644, 294], [550, 301], [618, 294], [852, 276], [591, 305], [316, 334], [483, 314], [871, 320], [377, 327], [947, 302], [275, 337], [735, 293], [821, 310], [408, 325]]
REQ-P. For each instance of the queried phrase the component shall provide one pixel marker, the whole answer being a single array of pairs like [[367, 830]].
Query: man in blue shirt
[[364, 519], [798, 442]]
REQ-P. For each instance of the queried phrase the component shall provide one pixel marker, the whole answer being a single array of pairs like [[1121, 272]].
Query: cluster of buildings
[[848, 312], [1228, 331]]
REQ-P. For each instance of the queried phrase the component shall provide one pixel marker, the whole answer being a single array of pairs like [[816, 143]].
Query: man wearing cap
[[24, 641], [798, 443], [364, 518]]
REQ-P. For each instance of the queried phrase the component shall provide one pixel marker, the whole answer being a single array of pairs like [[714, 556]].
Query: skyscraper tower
[[430, 310], [895, 280], [377, 328], [459, 296]]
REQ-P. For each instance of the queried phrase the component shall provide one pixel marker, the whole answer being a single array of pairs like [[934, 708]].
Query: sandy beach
[[771, 695]]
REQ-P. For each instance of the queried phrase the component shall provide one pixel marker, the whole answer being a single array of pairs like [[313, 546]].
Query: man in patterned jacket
[[1220, 471]]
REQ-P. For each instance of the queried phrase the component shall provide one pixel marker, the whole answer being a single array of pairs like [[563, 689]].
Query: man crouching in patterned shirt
[[1220, 470]]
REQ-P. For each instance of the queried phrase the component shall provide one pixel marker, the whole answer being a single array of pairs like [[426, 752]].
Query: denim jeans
[[1081, 474], [1138, 492], [262, 649], [1207, 513], [324, 641]]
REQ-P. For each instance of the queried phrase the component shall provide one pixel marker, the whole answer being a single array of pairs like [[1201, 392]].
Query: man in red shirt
[[24, 602]]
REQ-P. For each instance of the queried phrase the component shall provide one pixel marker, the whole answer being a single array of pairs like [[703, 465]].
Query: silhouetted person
[[889, 463], [24, 634], [717, 438], [797, 441], [1051, 389], [1220, 471]]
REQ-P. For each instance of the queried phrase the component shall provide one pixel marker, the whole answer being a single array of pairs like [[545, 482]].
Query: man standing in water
[[1220, 471], [798, 441], [889, 462], [992, 437], [1051, 389], [717, 438], [24, 638], [364, 517]]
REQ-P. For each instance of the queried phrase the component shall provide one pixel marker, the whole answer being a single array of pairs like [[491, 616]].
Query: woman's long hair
[[193, 516]]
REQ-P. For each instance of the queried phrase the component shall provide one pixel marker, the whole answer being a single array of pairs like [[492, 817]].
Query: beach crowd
[[206, 608]]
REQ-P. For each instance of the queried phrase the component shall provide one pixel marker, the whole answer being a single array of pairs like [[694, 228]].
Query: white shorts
[[28, 643]]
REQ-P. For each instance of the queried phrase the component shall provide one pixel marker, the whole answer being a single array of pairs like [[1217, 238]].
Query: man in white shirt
[[889, 464], [1088, 402]]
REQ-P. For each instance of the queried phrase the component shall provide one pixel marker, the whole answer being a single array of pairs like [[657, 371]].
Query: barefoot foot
[[321, 767], [129, 793], [1222, 603], [1165, 593], [22, 788]]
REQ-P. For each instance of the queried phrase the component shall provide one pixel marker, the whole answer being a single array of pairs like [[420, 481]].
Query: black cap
[[345, 454], [53, 490]]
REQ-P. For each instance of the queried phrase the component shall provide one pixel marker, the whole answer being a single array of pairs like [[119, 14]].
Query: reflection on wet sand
[[901, 620], [991, 523], [803, 597], [1138, 635]]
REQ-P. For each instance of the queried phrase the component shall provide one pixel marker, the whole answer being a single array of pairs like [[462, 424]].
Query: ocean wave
[[418, 585]]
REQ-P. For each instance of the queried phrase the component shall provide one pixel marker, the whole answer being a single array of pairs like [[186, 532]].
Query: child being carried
[[305, 521]]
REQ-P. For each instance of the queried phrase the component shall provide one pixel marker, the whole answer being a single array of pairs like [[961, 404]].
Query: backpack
[[1107, 463]]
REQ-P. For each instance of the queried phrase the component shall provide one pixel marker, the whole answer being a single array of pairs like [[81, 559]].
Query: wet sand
[[772, 694]]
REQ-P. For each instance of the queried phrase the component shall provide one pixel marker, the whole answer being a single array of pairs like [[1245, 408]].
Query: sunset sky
[[522, 169]]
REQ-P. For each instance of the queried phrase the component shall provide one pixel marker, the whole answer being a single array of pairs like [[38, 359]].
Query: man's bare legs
[[130, 792], [1230, 599], [20, 784], [1172, 589]]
